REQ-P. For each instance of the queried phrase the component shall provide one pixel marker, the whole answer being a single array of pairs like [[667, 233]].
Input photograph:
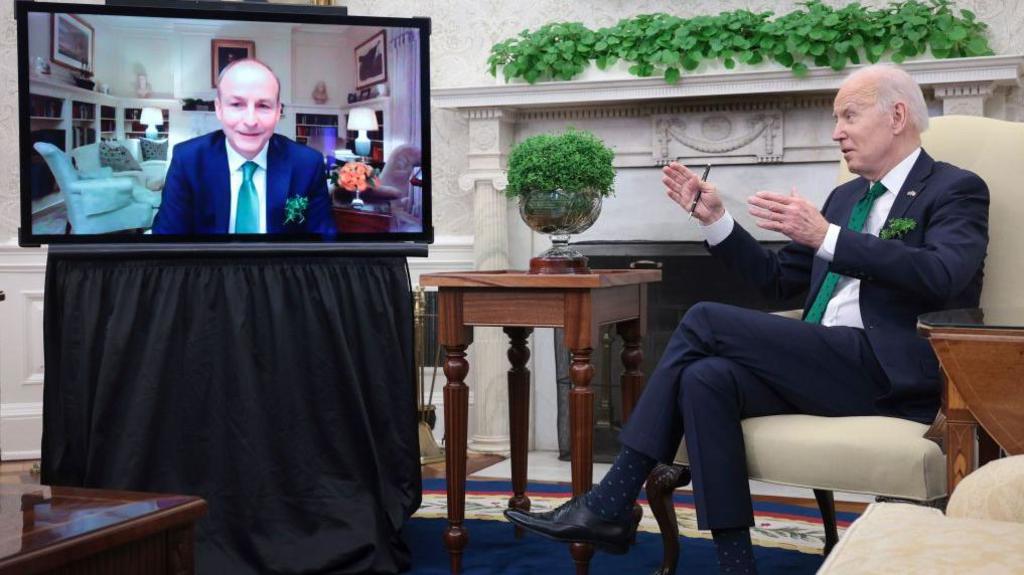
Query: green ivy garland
[[816, 34]]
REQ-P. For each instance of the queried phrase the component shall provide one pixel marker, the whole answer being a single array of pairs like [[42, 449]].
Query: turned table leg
[[632, 380], [581, 422], [456, 417], [519, 415], [632, 357], [455, 337]]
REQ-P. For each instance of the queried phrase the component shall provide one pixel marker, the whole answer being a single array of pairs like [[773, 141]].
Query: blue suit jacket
[[197, 190], [937, 265]]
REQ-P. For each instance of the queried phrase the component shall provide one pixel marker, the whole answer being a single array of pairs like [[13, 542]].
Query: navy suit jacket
[[937, 265], [197, 190]]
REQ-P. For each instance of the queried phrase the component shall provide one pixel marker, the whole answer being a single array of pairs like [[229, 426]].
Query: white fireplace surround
[[761, 128]]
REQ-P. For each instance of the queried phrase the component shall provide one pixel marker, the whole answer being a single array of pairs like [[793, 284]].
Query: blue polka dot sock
[[613, 498], [735, 553]]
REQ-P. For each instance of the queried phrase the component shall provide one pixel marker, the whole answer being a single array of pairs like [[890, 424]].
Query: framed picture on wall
[[371, 62], [224, 52], [72, 42]]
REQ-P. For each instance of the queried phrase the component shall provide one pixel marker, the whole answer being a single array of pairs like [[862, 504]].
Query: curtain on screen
[[404, 78]]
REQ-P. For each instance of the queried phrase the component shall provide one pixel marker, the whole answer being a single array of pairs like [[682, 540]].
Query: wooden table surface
[[45, 528], [525, 280]]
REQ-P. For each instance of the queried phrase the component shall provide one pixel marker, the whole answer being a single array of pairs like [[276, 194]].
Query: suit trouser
[[724, 364]]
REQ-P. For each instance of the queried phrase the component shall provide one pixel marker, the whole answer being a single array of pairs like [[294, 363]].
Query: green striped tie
[[247, 212], [857, 219]]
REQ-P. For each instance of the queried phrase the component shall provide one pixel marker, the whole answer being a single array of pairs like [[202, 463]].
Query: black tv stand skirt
[[277, 387]]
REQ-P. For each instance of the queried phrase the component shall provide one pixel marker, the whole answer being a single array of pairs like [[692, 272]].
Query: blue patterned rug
[[788, 538]]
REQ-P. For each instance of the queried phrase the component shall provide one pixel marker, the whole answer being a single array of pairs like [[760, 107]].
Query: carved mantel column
[[491, 134], [964, 98]]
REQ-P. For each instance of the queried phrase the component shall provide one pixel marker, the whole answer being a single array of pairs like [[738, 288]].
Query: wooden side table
[[518, 302], [982, 354], [72, 530]]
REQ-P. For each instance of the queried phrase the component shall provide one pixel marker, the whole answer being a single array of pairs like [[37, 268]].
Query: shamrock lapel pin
[[898, 228], [295, 209]]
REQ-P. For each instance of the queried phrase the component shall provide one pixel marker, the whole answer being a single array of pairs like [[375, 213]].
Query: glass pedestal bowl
[[560, 214]]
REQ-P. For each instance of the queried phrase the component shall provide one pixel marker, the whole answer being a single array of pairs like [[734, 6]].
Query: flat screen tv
[[172, 123]]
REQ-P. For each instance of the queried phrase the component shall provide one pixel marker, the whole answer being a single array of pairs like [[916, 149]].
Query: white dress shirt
[[844, 306], [259, 179]]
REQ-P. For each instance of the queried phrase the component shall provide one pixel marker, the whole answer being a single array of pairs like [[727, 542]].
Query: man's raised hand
[[792, 216], [681, 185]]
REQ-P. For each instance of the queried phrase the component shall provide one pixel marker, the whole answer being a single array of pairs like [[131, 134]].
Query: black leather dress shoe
[[574, 522]]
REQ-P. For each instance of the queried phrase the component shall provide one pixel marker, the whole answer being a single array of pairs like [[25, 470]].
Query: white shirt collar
[[894, 180], [235, 160]]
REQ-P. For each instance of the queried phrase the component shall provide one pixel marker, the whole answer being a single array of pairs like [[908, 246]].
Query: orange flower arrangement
[[356, 176]]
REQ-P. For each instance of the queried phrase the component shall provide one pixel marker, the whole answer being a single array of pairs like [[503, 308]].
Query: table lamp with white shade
[[151, 118], [362, 120]]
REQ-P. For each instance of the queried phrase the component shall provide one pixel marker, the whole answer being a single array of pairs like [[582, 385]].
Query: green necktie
[[857, 219], [247, 211]]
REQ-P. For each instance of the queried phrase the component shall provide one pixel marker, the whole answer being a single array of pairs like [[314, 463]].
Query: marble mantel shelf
[[987, 70]]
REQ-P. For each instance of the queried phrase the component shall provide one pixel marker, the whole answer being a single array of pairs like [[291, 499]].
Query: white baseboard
[[21, 428], [22, 455]]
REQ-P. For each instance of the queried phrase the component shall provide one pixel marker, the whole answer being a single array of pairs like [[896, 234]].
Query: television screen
[[198, 125]]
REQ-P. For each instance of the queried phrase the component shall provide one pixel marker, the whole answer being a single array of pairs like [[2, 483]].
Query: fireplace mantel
[[990, 71]]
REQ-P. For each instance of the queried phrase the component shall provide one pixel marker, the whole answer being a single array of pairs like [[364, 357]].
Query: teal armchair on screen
[[99, 203]]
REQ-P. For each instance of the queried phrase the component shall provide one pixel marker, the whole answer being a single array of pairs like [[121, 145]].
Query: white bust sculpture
[[142, 88], [320, 93]]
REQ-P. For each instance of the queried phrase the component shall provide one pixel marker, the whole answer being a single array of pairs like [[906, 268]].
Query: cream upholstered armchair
[[882, 456], [394, 180]]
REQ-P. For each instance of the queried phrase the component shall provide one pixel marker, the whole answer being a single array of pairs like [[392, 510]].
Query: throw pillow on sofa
[[153, 149], [117, 157]]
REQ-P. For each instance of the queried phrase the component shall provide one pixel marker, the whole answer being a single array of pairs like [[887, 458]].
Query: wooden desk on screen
[[518, 302], [71, 531], [354, 221], [982, 353]]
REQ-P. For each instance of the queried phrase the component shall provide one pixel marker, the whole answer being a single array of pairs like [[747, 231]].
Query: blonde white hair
[[892, 85]]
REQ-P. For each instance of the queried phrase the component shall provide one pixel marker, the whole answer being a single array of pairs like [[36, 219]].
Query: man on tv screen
[[244, 178]]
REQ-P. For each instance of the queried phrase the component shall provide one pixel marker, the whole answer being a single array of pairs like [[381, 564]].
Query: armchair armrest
[[100, 196], [138, 176], [109, 185]]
